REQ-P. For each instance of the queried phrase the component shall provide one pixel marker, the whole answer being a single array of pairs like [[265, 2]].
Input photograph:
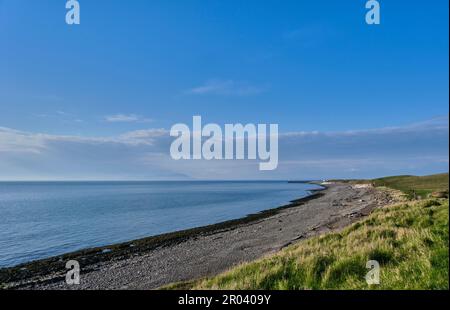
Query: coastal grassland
[[414, 186], [409, 240]]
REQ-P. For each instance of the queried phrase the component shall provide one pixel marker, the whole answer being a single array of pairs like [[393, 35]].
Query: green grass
[[409, 240], [416, 186]]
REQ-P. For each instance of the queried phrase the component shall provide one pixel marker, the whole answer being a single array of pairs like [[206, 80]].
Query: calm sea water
[[44, 219]]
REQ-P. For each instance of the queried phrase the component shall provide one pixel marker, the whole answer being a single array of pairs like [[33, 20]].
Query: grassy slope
[[409, 240], [422, 186]]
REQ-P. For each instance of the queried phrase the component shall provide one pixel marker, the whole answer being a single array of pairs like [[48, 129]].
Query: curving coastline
[[15, 276], [185, 255]]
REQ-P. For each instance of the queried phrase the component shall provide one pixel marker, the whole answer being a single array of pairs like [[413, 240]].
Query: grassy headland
[[410, 241], [419, 186], [412, 186]]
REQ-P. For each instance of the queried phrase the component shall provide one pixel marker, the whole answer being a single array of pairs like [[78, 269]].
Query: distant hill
[[421, 186]]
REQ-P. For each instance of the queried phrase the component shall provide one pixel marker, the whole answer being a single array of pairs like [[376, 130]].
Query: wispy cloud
[[63, 113], [226, 87], [418, 148], [308, 35], [126, 118], [60, 116]]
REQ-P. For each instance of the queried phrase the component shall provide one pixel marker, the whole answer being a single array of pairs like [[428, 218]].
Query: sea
[[45, 219]]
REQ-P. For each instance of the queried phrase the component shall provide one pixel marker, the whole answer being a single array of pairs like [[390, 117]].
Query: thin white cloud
[[61, 116], [144, 154], [437, 123], [126, 118], [309, 36], [226, 87], [16, 141]]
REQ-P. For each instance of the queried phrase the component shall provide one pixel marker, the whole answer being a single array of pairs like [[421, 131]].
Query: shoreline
[[189, 255], [28, 271]]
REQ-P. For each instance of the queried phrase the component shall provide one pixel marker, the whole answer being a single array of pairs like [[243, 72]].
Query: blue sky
[[313, 67]]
